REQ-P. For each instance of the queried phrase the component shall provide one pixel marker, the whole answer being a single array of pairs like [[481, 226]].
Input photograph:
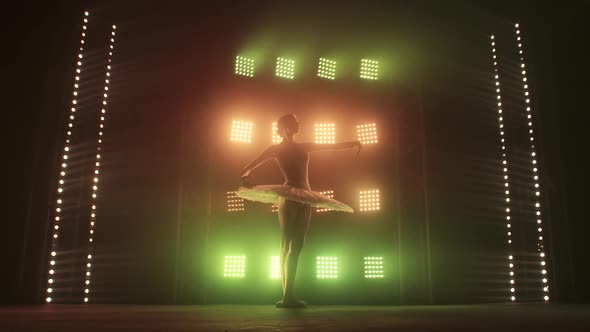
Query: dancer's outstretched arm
[[261, 159], [312, 147]]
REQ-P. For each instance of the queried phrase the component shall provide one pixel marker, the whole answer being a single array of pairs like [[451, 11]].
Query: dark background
[[39, 43]]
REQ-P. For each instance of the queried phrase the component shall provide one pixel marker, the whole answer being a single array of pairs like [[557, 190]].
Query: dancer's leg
[[284, 249], [291, 262], [294, 218]]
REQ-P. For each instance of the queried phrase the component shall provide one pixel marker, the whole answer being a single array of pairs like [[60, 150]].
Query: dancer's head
[[287, 125]]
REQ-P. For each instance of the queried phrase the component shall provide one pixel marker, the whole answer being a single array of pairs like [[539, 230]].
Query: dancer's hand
[[245, 183]]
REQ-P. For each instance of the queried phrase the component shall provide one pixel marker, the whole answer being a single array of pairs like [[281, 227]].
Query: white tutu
[[271, 193]]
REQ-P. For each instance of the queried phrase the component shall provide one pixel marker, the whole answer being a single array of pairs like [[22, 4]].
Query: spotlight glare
[[369, 200], [367, 133], [329, 193], [327, 69], [241, 132], [244, 66], [234, 203], [275, 136], [275, 267], [234, 266], [325, 133], [327, 267], [285, 68], [374, 268], [369, 69]]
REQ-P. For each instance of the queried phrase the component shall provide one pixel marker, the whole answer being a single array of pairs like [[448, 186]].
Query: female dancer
[[294, 198]]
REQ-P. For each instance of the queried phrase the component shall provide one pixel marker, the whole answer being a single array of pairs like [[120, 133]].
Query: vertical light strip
[[275, 267], [536, 186], [64, 164], [504, 169], [92, 225], [276, 138]]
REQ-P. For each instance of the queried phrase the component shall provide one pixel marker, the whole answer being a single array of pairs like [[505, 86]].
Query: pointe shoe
[[291, 304]]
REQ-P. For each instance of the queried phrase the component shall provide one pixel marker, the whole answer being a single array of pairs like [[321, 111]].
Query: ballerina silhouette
[[294, 197]]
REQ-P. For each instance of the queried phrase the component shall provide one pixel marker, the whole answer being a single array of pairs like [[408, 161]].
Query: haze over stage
[[135, 122]]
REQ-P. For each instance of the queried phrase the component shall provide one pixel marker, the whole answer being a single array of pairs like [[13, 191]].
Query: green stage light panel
[[285, 68], [327, 69], [327, 267], [244, 66], [374, 268], [369, 69], [275, 267], [234, 267]]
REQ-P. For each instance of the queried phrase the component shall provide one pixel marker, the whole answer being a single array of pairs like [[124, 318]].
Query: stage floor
[[497, 317]]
